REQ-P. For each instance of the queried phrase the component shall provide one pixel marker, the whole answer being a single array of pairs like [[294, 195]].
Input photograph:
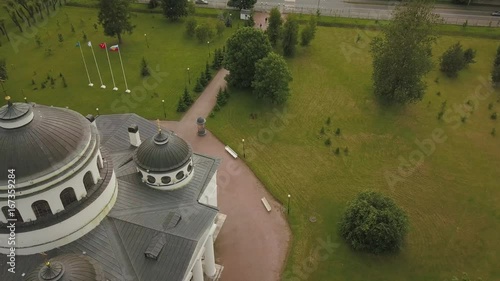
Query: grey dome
[[163, 152], [52, 139], [69, 267]]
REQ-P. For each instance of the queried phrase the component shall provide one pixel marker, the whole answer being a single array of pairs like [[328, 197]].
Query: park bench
[[231, 151], [266, 204]]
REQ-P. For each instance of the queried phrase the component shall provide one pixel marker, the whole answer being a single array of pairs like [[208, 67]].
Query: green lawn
[[452, 199], [170, 53]]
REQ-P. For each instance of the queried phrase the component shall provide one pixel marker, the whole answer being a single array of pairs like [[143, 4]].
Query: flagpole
[[123, 70], [85, 64], [97, 66], [110, 69]]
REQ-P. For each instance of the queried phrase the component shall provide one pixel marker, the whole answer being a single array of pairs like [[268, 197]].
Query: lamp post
[[97, 109], [244, 155], [164, 112], [146, 36], [3, 88], [288, 209], [189, 76], [208, 47], [25, 99]]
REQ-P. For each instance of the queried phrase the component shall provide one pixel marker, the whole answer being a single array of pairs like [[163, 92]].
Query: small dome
[[40, 139], [200, 120], [163, 152], [69, 267]]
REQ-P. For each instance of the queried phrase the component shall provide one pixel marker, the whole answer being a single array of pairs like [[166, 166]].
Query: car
[[203, 2], [496, 13]]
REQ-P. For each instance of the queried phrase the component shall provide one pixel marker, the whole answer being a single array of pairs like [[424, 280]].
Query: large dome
[[163, 152], [38, 140], [69, 267]]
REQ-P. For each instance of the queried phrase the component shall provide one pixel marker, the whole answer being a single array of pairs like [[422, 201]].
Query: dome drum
[[168, 181]]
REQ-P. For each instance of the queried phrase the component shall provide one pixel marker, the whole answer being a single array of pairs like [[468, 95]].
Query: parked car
[[203, 2], [496, 13]]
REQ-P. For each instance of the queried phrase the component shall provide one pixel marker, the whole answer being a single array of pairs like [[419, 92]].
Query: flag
[[114, 48], [102, 45], [77, 44], [89, 44]]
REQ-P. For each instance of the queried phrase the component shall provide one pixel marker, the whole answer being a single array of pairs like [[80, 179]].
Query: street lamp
[[189, 76], [288, 204], [97, 109], [146, 36], [25, 99], [244, 155], [208, 47], [164, 112]]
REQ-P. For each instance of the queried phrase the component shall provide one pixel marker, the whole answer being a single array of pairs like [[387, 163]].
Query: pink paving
[[253, 243]]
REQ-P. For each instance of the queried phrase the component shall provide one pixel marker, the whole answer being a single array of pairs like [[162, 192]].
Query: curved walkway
[[252, 244]]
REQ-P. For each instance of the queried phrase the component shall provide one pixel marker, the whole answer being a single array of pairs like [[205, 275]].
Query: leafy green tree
[[469, 56], [402, 55], [309, 31], [204, 32], [114, 16], [174, 9], [374, 223], [3, 70], [452, 60], [290, 36], [272, 77], [246, 46], [275, 24], [191, 25], [242, 4]]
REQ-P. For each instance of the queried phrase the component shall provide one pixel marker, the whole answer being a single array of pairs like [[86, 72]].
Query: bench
[[231, 151], [266, 204]]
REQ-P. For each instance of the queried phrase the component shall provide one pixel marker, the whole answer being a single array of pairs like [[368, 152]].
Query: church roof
[[54, 137], [166, 225]]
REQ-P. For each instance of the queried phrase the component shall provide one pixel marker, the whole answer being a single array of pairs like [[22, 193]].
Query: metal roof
[[13, 111], [163, 153], [139, 218], [67, 267], [54, 137]]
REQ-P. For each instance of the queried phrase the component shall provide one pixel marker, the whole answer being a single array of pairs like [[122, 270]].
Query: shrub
[[452, 60], [328, 121], [208, 74], [469, 56], [60, 37], [337, 151], [203, 79], [186, 98], [216, 107], [64, 82], [191, 26], [328, 142], [493, 132], [153, 4], [322, 131], [181, 106], [144, 68], [198, 88], [221, 98], [493, 116], [374, 223], [204, 32], [337, 132]]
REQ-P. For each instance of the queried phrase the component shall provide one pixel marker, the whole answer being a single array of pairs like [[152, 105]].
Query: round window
[[166, 180], [151, 179], [180, 175], [190, 168]]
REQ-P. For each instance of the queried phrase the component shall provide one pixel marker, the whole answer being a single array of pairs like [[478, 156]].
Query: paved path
[[252, 244]]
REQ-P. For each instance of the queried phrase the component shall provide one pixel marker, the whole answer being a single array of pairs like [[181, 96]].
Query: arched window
[[99, 163], [67, 196], [180, 175], [190, 168], [151, 179], [88, 181], [15, 214], [41, 209], [166, 180]]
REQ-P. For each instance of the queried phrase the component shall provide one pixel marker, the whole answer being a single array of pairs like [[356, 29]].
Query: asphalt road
[[376, 9]]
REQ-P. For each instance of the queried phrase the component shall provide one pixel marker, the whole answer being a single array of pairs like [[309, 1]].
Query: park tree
[[204, 32], [495, 73], [114, 16], [242, 4], [455, 59], [309, 31], [290, 36], [402, 55], [191, 25], [174, 9], [245, 47], [272, 77], [374, 223], [3, 70], [274, 27]]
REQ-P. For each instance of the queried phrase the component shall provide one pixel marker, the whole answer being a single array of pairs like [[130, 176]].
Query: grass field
[[170, 53], [452, 199]]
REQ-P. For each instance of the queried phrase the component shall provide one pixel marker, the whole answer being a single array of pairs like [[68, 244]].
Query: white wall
[[209, 196]]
